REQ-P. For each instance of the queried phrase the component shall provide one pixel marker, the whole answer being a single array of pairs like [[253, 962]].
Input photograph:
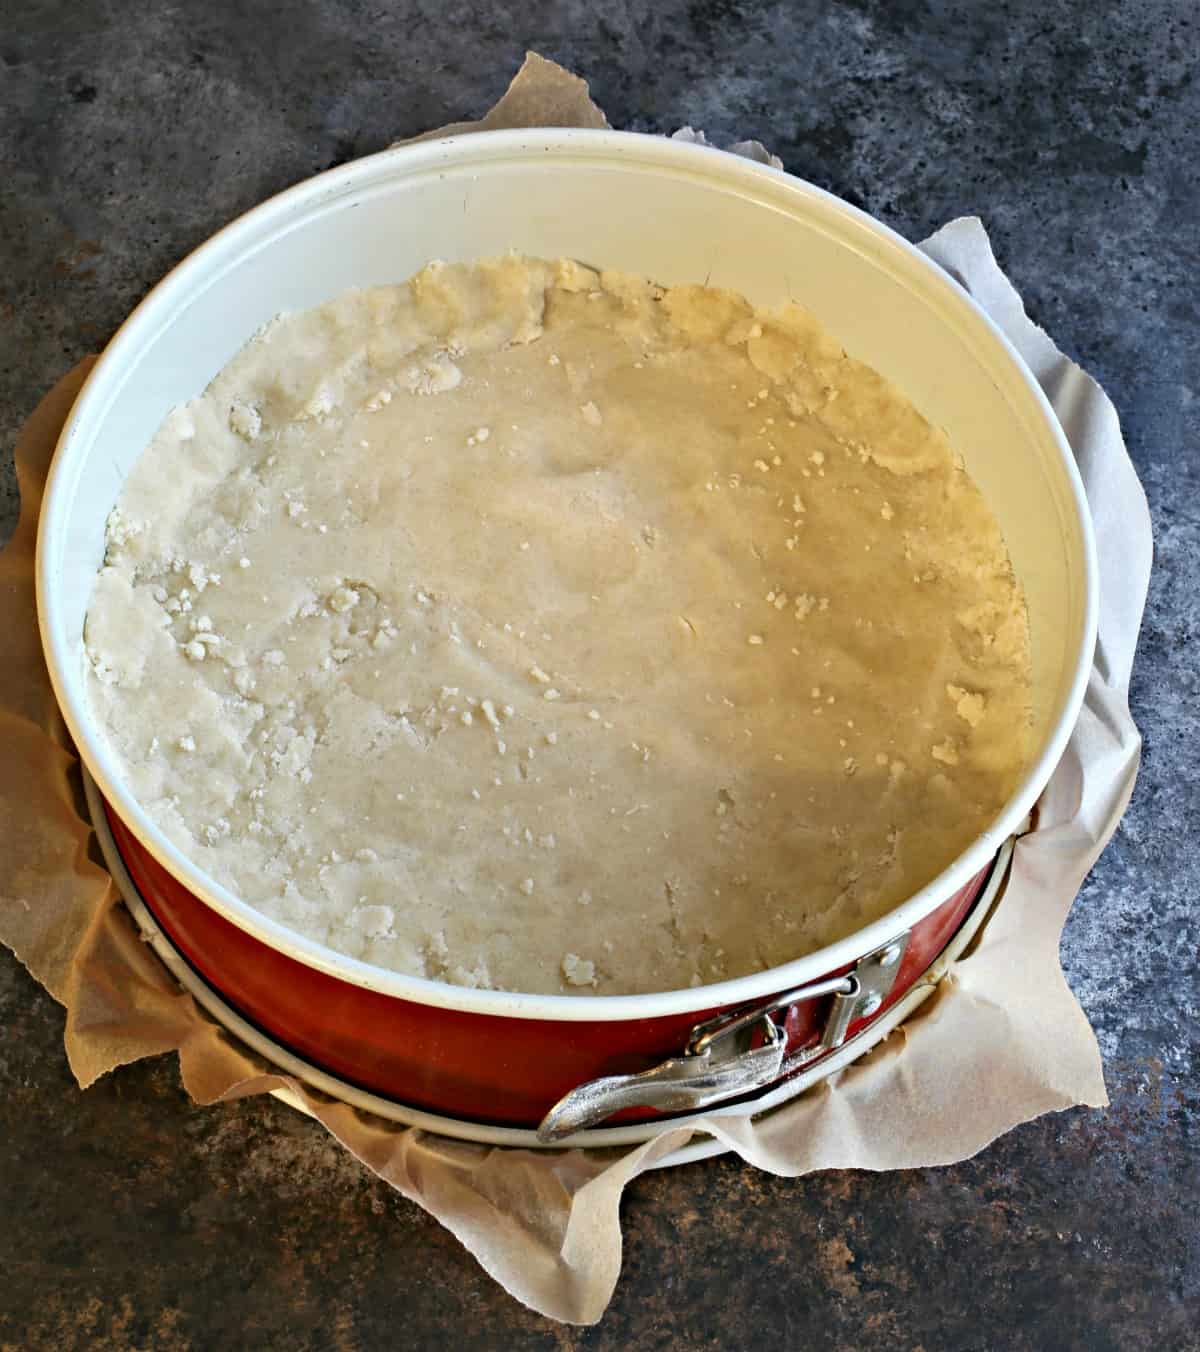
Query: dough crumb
[[436, 376], [578, 971], [968, 705], [375, 921], [343, 599], [245, 420], [945, 752]]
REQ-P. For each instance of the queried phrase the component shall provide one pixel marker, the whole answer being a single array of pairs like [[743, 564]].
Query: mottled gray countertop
[[128, 133]]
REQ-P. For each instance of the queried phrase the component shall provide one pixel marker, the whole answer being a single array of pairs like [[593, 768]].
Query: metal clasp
[[732, 1053], [706, 1035]]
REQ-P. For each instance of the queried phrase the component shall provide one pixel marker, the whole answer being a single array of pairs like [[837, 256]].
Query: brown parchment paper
[[1001, 1041]]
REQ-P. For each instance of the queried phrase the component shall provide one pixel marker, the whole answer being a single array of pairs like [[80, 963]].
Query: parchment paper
[[1001, 1041]]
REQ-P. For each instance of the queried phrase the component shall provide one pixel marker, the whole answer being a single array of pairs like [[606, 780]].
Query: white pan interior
[[669, 211]]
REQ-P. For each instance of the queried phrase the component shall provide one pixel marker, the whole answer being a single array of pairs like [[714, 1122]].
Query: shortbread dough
[[532, 628]]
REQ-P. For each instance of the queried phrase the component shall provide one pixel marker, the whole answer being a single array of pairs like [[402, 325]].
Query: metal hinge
[[733, 1053]]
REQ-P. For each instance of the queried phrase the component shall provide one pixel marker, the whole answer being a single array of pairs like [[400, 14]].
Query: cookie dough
[[535, 628]]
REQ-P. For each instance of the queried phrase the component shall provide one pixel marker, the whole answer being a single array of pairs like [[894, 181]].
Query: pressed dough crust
[[528, 627]]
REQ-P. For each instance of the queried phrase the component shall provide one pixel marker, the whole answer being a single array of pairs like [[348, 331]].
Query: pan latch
[[735, 1052]]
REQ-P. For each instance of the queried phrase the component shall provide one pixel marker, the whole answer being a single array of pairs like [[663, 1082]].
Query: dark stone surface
[[128, 133]]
